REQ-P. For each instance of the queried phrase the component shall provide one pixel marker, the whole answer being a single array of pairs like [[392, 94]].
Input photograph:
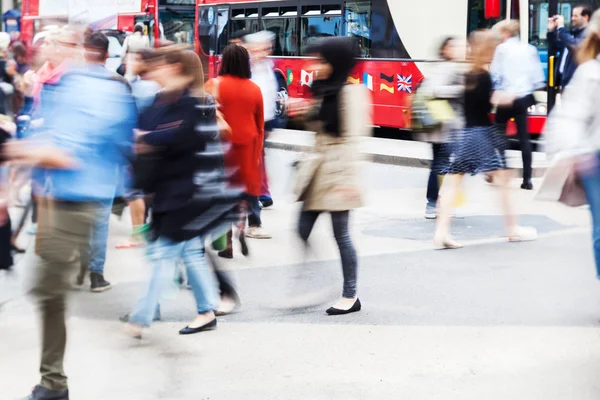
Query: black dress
[[476, 147]]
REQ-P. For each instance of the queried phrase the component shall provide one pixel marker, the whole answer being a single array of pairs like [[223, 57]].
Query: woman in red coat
[[241, 103]]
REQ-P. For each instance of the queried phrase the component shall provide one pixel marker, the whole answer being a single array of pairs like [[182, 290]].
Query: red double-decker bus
[[398, 40]]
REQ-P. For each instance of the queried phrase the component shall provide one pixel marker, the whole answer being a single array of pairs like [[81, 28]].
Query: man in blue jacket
[[565, 41], [91, 136]]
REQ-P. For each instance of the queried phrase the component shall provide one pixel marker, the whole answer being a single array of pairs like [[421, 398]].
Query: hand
[[11, 68], [552, 25], [348, 192], [8, 127], [138, 133], [560, 21], [26, 153]]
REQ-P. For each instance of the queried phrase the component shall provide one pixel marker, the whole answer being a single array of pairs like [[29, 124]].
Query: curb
[[386, 159]]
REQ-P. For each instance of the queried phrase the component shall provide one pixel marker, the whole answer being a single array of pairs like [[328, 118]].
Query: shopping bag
[[460, 199]]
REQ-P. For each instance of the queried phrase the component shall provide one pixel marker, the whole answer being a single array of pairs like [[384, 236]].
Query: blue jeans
[[164, 254], [99, 238], [591, 184]]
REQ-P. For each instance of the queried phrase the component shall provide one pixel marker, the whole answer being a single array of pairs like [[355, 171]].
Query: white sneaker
[[523, 234], [430, 212], [257, 232]]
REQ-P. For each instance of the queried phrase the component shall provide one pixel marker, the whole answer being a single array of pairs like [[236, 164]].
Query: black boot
[[98, 282]]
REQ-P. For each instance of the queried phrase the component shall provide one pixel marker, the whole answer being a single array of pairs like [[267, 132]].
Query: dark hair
[[236, 62], [96, 47], [138, 28], [586, 11], [19, 49], [445, 44], [239, 35], [97, 40]]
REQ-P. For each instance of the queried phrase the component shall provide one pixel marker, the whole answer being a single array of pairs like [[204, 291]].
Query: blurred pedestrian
[[445, 81], [173, 131], [241, 103], [573, 129], [144, 92], [260, 45], [565, 41], [474, 149], [135, 42], [517, 72], [340, 117], [90, 130], [7, 129], [94, 253]]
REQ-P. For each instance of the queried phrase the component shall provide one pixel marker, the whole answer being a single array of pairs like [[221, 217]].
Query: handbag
[[429, 114], [562, 184]]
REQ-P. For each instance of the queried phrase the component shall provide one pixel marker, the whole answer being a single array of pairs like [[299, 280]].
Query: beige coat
[[335, 185]]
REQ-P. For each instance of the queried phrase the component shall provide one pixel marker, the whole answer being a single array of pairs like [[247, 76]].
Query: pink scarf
[[47, 75]]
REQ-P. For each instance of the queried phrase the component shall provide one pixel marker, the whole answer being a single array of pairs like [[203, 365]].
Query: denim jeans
[[164, 254], [439, 161], [253, 210], [99, 239], [591, 184], [339, 220]]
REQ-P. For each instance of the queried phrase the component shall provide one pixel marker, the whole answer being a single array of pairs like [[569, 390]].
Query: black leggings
[[6, 260], [339, 220]]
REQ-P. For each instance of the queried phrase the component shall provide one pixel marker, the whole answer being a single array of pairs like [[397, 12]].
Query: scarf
[[47, 75], [341, 53]]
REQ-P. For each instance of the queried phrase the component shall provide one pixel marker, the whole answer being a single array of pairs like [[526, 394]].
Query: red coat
[[241, 104]]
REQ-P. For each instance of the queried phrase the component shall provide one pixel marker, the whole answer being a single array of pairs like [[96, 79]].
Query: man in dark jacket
[[565, 42]]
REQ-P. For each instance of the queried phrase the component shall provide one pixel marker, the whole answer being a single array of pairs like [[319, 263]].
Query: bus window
[[358, 24], [282, 22], [476, 17], [385, 40], [178, 28], [318, 22], [244, 20]]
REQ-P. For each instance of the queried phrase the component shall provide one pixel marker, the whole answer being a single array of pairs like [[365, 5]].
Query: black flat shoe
[[228, 254], [212, 325], [527, 186], [355, 308], [16, 249]]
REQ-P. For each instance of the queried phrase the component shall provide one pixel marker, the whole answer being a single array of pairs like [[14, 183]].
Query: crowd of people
[[187, 156]]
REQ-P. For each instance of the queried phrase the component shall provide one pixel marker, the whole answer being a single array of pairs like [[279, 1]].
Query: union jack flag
[[405, 83]]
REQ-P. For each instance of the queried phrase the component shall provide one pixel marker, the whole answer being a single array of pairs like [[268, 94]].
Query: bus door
[[213, 32]]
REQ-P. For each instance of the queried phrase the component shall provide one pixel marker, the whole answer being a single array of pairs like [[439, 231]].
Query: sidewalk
[[389, 151]]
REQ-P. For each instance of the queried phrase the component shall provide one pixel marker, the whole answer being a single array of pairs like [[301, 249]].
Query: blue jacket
[[92, 117], [561, 39]]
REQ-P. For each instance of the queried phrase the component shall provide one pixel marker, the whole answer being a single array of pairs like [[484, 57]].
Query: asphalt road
[[491, 321]]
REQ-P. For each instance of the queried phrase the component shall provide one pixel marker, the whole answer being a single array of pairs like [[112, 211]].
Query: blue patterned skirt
[[476, 149]]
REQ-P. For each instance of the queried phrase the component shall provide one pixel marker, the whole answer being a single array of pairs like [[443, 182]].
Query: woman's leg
[[591, 183], [306, 223], [164, 255], [6, 260], [433, 187], [340, 222], [202, 280], [502, 177], [450, 189]]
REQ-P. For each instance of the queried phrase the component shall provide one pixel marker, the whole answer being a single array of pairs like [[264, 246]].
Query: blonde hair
[[482, 44], [590, 47], [512, 27]]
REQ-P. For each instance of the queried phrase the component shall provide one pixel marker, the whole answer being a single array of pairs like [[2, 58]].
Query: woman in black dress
[[477, 147]]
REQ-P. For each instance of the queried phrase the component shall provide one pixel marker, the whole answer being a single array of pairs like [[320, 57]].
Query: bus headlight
[[539, 109]]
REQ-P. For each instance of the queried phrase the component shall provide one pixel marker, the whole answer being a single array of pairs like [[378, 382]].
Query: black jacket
[[561, 39], [191, 196]]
